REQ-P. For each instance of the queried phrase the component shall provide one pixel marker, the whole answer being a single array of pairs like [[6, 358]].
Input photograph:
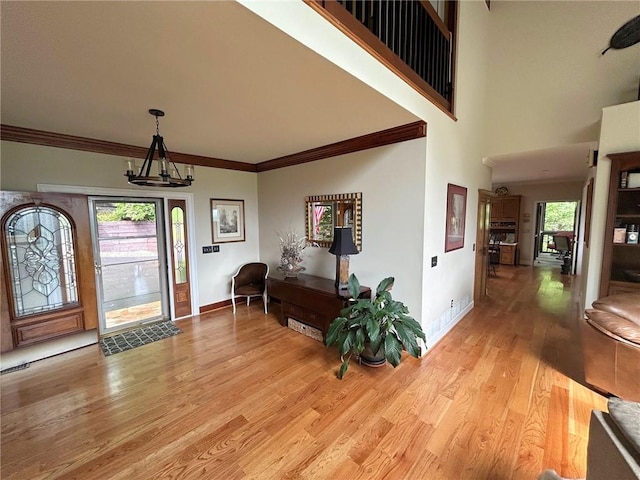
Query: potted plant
[[376, 328]]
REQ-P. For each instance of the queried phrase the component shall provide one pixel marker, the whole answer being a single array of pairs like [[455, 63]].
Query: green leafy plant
[[381, 323], [137, 212], [559, 216]]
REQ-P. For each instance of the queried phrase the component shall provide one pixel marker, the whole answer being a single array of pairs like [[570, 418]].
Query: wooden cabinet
[[508, 254], [619, 260], [510, 209], [505, 208], [312, 300], [505, 225]]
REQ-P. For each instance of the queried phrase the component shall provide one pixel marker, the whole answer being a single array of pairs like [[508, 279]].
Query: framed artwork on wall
[[227, 220], [456, 217]]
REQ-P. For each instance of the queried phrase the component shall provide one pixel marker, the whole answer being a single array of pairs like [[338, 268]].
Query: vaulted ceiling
[[232, 86]]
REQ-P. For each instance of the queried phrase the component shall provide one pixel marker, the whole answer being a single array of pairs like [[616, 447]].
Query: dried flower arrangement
[[292, 247]]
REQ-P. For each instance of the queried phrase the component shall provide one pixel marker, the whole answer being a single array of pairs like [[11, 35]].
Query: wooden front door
[[179, 258], [482, 245], [47, 269]]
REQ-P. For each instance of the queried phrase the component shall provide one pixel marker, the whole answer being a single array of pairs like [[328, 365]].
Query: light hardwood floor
[[243, 397]]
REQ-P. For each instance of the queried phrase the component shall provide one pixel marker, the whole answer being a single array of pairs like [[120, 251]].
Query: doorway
[[130, 261], [482, 245], [555, 234]]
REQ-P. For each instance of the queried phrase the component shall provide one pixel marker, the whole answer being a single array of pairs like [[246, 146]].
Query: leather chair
[[250, 281], [611, 345], [562, 244]]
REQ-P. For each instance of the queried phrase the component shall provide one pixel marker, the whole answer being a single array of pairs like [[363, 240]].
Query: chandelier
[[168, 174]]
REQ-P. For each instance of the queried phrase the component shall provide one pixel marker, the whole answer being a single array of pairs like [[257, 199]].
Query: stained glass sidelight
[[41, 260], [179, 255]]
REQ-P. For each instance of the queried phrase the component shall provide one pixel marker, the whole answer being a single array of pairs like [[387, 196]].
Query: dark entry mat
[[135, 338]]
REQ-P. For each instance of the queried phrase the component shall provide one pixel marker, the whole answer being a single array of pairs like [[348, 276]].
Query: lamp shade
[[343, 242]]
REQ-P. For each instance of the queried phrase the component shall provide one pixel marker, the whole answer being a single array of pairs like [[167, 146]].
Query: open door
[[538, 237], [46, 267], [482, 245], [130, 260]]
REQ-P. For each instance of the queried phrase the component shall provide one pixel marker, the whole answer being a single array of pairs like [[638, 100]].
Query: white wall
[[391, 181], [532, 194], [620, 133], [454, 150], [549, 80], [454, 155], [24, 166]]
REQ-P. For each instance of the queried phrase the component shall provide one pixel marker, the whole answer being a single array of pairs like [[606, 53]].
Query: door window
[[41, 260], [179, 252]]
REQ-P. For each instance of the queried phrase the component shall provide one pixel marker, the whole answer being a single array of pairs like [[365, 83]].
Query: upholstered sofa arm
[[625, 305], [615, 326]]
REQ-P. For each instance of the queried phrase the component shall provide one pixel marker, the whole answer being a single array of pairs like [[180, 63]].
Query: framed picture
[[227, 220], [456, 217]]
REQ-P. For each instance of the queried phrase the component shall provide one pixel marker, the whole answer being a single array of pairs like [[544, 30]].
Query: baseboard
[[215, 306], [434, 337]]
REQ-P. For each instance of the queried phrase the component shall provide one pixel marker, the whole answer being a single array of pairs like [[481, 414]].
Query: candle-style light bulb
[[130, 165], [163, 166]]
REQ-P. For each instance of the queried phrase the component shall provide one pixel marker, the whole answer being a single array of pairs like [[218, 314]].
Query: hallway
[[498, 398]]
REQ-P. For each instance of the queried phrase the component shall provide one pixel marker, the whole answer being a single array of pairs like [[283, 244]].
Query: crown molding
[[489, 162], [50, 139], [402, 133]]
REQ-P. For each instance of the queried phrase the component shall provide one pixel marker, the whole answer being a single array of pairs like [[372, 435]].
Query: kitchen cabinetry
[[505, 217], [506, 208], [621, 261], [508, 253]]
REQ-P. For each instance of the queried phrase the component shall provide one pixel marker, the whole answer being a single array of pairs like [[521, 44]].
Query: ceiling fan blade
[[627, 35]]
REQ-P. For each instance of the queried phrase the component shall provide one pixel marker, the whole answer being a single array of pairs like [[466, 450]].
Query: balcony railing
[[408, 36]]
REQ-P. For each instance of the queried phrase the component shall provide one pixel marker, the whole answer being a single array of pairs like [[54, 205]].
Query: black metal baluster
[[409, 31]]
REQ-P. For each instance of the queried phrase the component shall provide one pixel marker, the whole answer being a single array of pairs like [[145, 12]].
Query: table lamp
[[342, 247]]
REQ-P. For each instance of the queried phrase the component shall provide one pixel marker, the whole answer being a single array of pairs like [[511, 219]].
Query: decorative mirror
[[323, 212]]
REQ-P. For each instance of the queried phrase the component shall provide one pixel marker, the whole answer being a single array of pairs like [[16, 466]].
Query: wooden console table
[[309, 299]]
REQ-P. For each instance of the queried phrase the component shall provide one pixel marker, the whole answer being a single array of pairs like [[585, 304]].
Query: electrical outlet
[[207, 249], [452, 303], [434, 261], [216, 248]]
